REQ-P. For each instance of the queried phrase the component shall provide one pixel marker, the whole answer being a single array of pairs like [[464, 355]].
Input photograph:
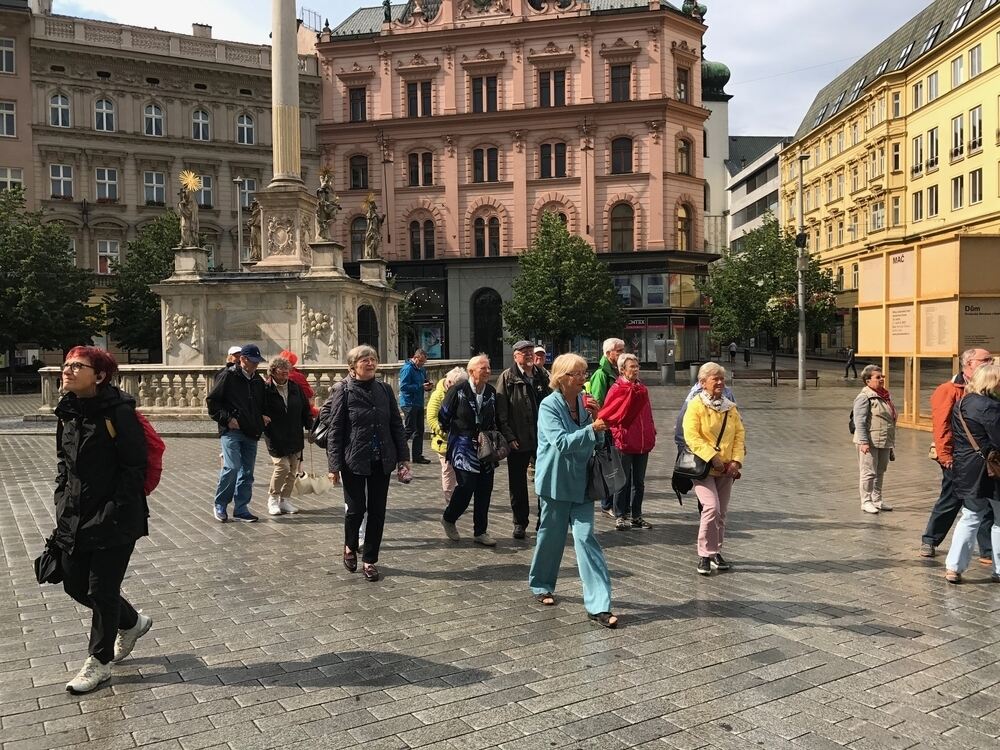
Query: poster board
[[938, 328], [979, 324]]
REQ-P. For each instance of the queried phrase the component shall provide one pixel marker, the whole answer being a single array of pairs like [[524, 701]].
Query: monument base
[[327, 259], [190, 261], [373, 271], [287, 225]]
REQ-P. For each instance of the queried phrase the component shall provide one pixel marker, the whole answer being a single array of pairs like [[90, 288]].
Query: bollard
[[695, 366], [667, 375]]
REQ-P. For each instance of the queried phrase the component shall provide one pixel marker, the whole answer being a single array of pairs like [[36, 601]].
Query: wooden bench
[[745, 374], [812, 375]]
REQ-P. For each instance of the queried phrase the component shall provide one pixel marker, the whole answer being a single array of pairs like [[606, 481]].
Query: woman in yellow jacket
[[708, 411], [439, 438]]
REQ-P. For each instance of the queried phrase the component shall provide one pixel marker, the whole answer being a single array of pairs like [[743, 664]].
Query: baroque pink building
[[467, 119]]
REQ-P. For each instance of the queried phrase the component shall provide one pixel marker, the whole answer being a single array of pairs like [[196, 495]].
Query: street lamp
[[800, 266], [238, 182]]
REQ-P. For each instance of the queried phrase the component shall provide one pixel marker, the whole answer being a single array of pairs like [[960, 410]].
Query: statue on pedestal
[[327, 206], [373, 232], [187, 208], [256, 231]]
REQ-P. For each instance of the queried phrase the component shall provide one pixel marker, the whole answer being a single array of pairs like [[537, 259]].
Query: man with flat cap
[[520, 390], [236, 403]]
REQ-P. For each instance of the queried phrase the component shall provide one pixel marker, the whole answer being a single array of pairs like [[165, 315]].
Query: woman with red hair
[[100, 506]]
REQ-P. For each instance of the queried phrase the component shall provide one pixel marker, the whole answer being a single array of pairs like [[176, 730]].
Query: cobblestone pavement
[[830, 631]]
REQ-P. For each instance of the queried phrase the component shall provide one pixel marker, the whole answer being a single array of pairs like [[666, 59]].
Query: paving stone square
[[830, 631]]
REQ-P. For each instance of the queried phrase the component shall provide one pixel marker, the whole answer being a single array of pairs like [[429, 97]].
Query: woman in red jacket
[[628, 413]]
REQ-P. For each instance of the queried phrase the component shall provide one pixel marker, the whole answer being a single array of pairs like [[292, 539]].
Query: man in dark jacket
[[290, 412], [520, 389], [236, 403]]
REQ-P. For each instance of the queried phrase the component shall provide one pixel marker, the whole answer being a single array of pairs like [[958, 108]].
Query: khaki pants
[[448, 480], [283, 478], [872, 468]]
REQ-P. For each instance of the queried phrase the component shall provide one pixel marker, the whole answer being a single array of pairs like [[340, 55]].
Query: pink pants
[[448, 479], [713, 494]]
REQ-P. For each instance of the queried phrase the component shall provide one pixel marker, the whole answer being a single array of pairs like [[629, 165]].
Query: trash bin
[[695, 366], [664, 351], [667, 375]]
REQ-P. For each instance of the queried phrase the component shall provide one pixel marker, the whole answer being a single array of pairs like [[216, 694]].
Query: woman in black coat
[[100, 507], [364, 444], [289, 411], [978, 414]]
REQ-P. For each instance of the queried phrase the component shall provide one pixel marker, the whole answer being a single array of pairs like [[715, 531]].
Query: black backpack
[[321, 427]]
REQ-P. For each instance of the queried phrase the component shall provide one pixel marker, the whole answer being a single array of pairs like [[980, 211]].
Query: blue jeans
[[628, 500], [965, 532], [239, 453], [944, 513]]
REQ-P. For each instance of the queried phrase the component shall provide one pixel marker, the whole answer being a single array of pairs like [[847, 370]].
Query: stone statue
[[256, 231], [386, 10], [327, 206], [373, 232], [187, 208]]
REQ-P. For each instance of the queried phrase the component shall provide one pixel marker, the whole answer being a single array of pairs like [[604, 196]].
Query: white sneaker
[[485, 539], [286, 505], [89, 677], [869, 507], [125, 640], [274, 506]]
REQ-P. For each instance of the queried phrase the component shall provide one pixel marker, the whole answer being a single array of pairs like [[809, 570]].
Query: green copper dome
[[714, 77]]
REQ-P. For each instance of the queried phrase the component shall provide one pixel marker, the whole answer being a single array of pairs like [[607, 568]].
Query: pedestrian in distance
[[468, 409], [732, 352], [100, 506], [540, 356], [439, 436], [875, 435], [567, 435], [413, 384], [713, 431], [365, 444], [849, 364], [289, 412], [520, 389], [746, 356], [628, 413], [949, 504], [236, 404], [598, 385], [975, 427]]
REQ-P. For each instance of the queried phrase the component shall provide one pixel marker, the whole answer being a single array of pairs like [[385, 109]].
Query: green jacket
[[601, 380]]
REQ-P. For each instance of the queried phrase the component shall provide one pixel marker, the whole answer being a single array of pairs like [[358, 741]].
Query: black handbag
[[605, 473], [493, 446], [48, 565], [692, 466]]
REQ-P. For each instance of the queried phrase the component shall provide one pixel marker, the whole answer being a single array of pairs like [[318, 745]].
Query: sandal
[[351, 561], [605, 619], [546, 599], [952, 576], [370, 572]]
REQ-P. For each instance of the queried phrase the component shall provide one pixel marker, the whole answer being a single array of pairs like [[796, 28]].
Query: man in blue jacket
[[413, 383]]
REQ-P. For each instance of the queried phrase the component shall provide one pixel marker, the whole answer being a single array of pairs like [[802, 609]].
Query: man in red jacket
[[948, 505]]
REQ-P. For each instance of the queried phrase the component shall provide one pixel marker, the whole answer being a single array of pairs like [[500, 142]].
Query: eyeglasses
[[578, 374], [76, 366]]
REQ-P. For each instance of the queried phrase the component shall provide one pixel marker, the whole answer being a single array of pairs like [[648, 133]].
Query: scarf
[[883, 394], [720, 404]]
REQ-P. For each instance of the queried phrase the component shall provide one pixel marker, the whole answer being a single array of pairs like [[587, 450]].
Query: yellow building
[[900, 158]]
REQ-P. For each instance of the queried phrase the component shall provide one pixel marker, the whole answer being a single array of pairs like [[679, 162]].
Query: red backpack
[[154, 451]]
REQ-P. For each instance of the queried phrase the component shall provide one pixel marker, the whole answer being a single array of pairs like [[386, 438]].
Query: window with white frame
[[961, 13], [104, 115], [976, 186], [106, 179], [933, 89], [896, 210], [59, 113], [917, 212], [932, 201], [247, 189], [358, 100], [957, 136], [957, 70], [152, 118], [840, 184], [918, 95], [840, 233], [245, 130], [201, 126], [897, 104], [975, 61], [683, 84], [107, 254], [205, 196], [877, 216], [154, 186], [932, 148], [918, 154], [930, 39], [854, 276], [7, 55], [957, 192], [61, 181], [11, 177], [8, 119], [829, 235], [897, 158], [976, 128]]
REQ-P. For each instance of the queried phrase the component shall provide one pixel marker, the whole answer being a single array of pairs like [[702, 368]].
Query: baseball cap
[[540, 350], [234, 350], [523, 344], [251, 352]]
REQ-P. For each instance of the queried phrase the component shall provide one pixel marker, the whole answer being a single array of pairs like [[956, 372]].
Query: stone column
[[286, 144]]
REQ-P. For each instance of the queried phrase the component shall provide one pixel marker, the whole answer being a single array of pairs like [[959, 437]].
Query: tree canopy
[[133, 309], [44, 297], [756, 290], [561, 290]]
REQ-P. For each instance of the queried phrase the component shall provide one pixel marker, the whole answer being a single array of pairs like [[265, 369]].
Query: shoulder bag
[[605, 473], [992, 458], [492, 445], [692, 466]]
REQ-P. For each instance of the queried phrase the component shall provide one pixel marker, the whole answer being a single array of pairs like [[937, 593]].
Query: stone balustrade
[[179, 392]]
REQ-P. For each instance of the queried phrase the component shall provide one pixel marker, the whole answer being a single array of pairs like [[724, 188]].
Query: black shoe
[[421, 460], [719, 562], [247, 517], [519, 531], [705, 566]]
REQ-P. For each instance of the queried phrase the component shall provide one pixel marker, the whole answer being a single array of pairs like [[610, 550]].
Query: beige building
[[15, 96], [901, 151], [117, 112]]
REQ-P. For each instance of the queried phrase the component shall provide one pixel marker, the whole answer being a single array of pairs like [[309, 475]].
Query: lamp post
[[800, 267], [238, 183]]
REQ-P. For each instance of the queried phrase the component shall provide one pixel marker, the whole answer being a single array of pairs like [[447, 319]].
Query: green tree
[[561, 290], [756, 290], [133, 310], [44, 297]]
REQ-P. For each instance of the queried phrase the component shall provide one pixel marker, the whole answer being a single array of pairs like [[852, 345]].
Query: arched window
[[493, 238], [685, 240], [200, 126], [245, 130], [152, 120], [59, 111], [358, 227], [421, 240], [621, 156], [683, 156], [359, 172], [428, 239], [486, 236], [104, 115], [622, 228]]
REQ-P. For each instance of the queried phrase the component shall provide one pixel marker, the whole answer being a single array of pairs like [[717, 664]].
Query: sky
[[780, 52]]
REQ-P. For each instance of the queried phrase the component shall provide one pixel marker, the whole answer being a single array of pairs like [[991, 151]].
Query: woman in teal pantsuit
[[567, 431]]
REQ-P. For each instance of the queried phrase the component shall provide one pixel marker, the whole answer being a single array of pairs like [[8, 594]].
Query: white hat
[[234, 350]]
